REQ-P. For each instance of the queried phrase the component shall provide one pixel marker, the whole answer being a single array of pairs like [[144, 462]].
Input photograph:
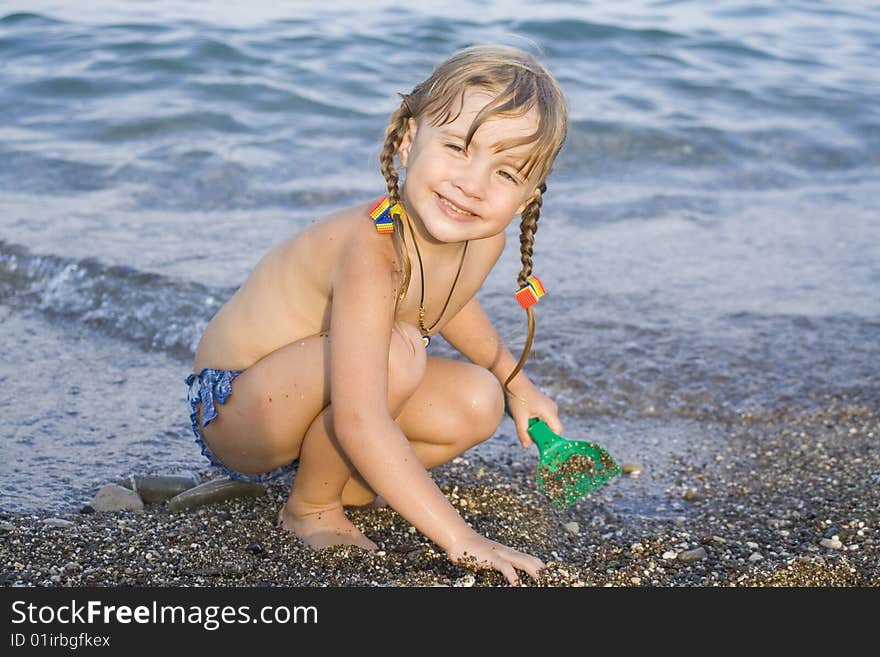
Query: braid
[[527, 227], [394, 135]]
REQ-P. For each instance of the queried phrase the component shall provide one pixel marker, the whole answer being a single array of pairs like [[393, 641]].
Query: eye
[[455, 148], [509, 176]]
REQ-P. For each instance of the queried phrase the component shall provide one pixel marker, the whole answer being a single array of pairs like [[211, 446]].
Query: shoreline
[[791, 498]]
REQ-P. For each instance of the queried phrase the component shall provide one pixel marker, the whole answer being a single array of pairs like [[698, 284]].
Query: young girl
[[321, 355]]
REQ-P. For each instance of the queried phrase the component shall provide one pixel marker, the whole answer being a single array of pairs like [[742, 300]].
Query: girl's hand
[[479, 552], [529, 402]]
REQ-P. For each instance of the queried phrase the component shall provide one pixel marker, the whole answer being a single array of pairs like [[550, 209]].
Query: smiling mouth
[[453, 208]]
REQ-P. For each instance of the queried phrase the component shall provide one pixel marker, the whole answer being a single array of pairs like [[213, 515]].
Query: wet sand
[[791, 498]]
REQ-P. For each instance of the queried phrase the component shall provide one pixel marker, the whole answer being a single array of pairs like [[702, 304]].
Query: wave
[[153, 311], [26, 17], [579, 31]]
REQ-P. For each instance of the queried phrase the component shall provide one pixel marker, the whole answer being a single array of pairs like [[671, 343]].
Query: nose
[[471, 179]]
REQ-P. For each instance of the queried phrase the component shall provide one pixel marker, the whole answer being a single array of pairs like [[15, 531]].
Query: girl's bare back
[[287, 296]]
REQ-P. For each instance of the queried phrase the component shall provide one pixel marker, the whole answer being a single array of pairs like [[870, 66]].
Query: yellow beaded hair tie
[[381, 213], [531, 292]]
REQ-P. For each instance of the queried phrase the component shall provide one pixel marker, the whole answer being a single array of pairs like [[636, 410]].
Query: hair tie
[[381, 213], [529, 294]]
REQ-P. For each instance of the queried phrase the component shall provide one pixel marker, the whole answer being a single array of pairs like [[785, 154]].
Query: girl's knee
[[484, 407]]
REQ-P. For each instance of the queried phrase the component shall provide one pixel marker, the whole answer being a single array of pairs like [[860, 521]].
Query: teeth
[[454, 207]]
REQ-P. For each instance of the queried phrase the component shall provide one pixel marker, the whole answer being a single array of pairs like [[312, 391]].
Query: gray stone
[[572, 528], [58, 522], [113, 497], [216, 490], [692, 555], [154, 489]]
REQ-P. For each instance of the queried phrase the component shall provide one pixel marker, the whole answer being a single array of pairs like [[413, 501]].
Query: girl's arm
[[364, 289], [471, 332]]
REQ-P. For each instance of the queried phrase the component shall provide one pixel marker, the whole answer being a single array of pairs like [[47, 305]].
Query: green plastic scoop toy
[[569, 469]]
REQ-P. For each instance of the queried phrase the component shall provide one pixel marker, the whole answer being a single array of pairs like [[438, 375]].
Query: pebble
[[114, 497], [755, 556], [58, 522], [831, 543], [670, 554], [154, 489], [692, 555], [572, 528], [216, 490], [632, 469], [466, 581], [752, 545]]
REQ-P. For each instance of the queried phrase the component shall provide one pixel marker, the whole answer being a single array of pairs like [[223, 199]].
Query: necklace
[[426, 338]]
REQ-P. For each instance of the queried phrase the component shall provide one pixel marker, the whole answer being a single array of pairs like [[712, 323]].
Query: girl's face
[[459, 194]]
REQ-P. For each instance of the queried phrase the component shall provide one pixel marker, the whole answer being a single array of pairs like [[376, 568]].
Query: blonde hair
[[520, 83]]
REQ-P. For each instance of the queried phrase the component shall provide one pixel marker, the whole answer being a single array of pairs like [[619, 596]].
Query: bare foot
[[324, 528]]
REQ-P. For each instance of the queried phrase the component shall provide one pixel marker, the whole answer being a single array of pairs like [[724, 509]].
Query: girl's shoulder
[[345, 224], [349, 232]]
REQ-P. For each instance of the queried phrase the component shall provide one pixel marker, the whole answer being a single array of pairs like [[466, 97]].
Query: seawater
[[710, 234]]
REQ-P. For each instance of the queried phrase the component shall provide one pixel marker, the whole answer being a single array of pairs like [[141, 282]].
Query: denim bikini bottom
[[210, 387]]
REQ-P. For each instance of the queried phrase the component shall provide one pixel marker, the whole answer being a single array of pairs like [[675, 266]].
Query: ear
[[407, 141], [535, 194]]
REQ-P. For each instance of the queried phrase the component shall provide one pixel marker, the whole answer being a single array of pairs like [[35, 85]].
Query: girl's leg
[[457, 405], [279, 411], [314, 509]]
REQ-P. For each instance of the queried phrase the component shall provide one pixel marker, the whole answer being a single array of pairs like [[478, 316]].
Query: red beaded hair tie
[[381, 213], [531, 292]]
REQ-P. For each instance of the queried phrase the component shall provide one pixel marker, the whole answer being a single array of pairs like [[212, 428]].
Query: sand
[[791, 499]]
